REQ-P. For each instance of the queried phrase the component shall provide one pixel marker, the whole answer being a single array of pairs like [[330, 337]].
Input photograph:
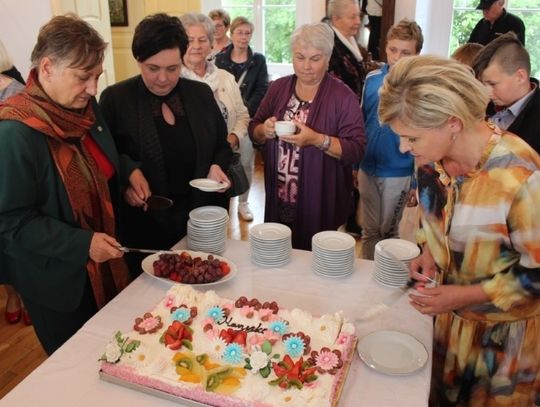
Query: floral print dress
[[484, 228]]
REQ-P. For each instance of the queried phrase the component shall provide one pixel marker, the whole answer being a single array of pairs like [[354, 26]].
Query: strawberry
[[225, 268], [240, 338], [226, 335]]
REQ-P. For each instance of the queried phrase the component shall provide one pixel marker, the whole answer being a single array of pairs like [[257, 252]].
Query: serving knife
[[151, 251]]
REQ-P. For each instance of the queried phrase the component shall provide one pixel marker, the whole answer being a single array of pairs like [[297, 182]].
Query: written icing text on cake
[[249, 328]]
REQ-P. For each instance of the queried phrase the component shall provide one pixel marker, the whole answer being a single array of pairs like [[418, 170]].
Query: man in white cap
[[496, 21]]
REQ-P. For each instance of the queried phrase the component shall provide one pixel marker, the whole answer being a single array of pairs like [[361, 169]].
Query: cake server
[[158, 202]]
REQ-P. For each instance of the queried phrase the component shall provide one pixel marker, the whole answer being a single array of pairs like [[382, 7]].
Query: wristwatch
[[325, 145]]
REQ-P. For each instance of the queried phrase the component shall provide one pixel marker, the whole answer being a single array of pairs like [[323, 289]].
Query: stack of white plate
[[270, 244], [333, 253], [392, 258], [207, 229]]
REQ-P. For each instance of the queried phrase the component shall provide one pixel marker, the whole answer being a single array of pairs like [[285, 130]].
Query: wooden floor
[[20, 351]]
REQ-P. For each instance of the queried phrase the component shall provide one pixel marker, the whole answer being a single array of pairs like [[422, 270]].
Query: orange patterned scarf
[[86, 186]]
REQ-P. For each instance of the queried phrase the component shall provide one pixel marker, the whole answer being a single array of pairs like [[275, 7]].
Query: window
[[278, 19], [466, 16], [274, 22]]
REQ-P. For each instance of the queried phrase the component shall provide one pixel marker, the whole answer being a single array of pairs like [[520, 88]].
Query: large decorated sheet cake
[[232, 352]]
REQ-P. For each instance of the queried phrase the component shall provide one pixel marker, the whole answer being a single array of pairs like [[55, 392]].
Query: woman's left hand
[[447, 298], [217, 174], [305, 137]]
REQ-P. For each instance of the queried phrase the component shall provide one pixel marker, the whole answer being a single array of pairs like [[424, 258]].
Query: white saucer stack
[[333, 253], [392, 258], [207, 229], [270, 244]]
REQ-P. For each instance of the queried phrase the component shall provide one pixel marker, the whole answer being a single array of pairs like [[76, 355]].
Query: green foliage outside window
[[279, 23], [465, 18]]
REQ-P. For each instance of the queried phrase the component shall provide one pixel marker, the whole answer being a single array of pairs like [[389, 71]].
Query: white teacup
[[284, 128]]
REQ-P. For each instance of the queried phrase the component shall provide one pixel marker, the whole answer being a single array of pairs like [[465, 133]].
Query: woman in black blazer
[[168, 131]]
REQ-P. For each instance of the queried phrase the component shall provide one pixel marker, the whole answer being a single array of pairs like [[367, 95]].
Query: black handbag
[[237, 176]]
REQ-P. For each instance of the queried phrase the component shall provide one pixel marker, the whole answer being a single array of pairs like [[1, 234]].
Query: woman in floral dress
[[479, 195]]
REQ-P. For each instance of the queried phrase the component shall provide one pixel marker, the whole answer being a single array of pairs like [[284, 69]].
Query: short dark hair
[[156, 33], [507, 51], [69, 39]]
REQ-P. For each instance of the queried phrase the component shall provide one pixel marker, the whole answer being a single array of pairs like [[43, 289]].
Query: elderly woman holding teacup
[[308, 175]]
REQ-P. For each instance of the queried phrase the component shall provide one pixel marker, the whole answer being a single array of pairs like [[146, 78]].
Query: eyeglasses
[[243, 33], [220, 26]]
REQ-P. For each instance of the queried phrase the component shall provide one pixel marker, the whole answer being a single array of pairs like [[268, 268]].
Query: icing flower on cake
[[343, 338], [265, 313], [216, 348], [112, 352], [216, 313], [279, 327], [147, 324], [247, 311], [326, 360], [306, 339], [233, 354], [259, 360], [116, 348], [294, 346], [180, 314], [168, 301]]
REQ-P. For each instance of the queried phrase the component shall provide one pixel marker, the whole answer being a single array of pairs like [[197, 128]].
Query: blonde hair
[[407, 30], [238, 21], [5, 61], [425, 91], [222, 15]]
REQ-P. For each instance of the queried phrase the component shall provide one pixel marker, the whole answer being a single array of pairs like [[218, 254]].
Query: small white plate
[[400, 248], [207, 184], [392, 352], [270, 231], [333, 241], [148, 268], [208, 214]]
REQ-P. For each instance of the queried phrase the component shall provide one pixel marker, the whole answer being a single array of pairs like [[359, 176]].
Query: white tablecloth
[[69, 377]]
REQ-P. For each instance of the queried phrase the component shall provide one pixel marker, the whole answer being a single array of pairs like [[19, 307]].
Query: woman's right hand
[[104, 247], [138, 191], [423, 265], [269, 127]]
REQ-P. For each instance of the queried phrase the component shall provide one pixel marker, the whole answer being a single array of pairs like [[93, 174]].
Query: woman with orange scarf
[[58, 179]]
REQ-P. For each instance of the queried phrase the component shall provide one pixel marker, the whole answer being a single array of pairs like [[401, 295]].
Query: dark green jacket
[[43, 251]]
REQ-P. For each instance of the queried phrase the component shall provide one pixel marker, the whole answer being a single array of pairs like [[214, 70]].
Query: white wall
[[19, 26], [435, 18]]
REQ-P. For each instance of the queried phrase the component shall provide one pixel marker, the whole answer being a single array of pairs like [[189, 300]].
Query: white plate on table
[[207, 184], [400, 248], [392, 352], [330, 240], [148, 268]]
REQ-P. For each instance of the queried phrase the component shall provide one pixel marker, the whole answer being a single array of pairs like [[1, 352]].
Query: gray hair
[[336, 8], [5, 60], [319, 35], [193, 19], [69, 39]]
